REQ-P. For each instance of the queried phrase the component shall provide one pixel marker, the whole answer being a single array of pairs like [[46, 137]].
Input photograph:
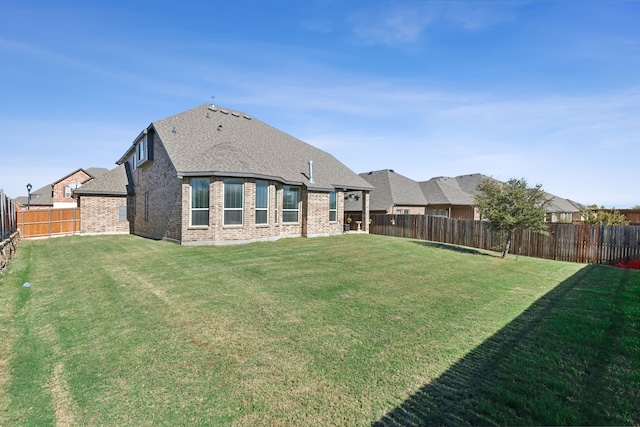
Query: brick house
[[393, 194], [396, 194], [103, 204], [452, 197], [212, 176], [59, 195]]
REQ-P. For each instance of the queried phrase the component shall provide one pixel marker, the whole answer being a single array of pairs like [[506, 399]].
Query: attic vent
[[224, 111], [391, 170], [212, 107], [219, 128], [247, 117], [234, 114]]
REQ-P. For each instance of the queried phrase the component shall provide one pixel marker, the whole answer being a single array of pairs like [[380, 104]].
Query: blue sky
[[548, 91]]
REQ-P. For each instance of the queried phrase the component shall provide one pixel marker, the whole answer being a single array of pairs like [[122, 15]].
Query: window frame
[[225, 209], [262, 194], [207, 208], [141, 154], [285, 210], [333, 206]]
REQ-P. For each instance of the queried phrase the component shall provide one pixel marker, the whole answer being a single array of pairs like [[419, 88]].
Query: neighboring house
[[103, 203], [397, 194], [452, 197], [216, 176], [59, 195], [563, 210], [393, 194]]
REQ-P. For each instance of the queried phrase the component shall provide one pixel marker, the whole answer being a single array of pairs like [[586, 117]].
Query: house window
[[68, 190], [262, 202], [290, 204], [439, 212], [200, 201], [142, 151], [402, 211], [122, 213], [333, 206], [233, 195]]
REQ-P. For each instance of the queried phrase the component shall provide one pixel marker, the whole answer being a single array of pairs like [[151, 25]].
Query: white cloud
[[395, 23]]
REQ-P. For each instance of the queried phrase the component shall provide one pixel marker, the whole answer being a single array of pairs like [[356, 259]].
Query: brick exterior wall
[[161, 208], [101, 215], [155, 206], [79, 177]]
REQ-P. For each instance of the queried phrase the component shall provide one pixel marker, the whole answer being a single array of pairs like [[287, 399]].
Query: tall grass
[[345, 330]]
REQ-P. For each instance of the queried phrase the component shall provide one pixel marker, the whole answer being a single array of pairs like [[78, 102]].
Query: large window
[[233, 196], [290, 204], [200, 201], [262, 202], [333, 206]]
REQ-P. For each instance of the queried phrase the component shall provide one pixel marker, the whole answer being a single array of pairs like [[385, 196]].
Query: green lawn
[[345, 330]]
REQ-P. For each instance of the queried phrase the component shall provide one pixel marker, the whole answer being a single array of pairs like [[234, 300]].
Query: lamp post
[[29, 187]]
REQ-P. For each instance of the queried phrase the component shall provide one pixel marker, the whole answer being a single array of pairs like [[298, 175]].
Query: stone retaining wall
[[8, 248]]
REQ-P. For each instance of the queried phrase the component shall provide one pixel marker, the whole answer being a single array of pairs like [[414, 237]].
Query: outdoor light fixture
[[29, 187]]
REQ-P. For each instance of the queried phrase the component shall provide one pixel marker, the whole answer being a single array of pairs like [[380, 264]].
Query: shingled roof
[[459, 190], [391, 189], [111, 183], [215, 141]]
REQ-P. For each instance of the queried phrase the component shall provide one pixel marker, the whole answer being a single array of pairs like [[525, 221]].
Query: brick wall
[[101, 215], [157, 210], [79, 177]]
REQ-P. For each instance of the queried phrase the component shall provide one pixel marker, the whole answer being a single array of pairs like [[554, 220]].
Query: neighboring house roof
[[210, 140], [40, 197], [391, 189], [44, 196], [559, 204], [113, 183], [459, 190]]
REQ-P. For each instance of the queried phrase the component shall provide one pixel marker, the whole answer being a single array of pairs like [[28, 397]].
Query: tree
[[636, 207], [602, 216], [510, 205]]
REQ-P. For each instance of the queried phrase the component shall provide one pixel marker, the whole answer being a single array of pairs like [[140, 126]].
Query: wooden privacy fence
[[48, 222], [584, 243]]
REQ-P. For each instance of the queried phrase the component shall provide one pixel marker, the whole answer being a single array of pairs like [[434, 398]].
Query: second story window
[[68, 190]]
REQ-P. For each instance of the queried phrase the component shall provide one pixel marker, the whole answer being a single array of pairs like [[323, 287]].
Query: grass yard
[[349, 330]]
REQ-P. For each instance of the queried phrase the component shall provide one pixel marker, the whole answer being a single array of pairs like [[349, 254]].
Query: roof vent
[[234, 114], [391, 170], [224, 111], [247, 117], [213, 107], [311, 180], [219, 128]]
